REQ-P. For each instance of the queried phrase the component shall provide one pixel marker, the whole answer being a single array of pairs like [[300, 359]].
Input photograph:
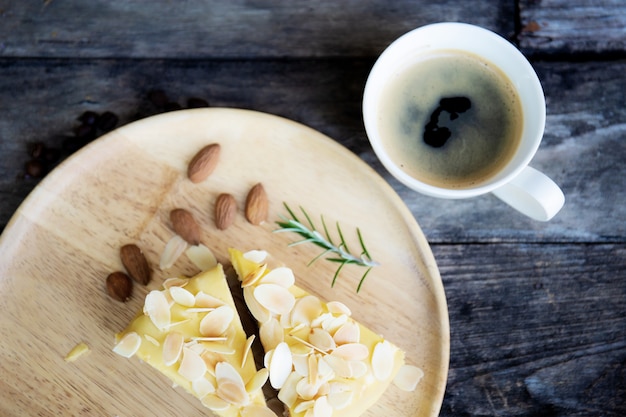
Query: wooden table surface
[[537, 310]]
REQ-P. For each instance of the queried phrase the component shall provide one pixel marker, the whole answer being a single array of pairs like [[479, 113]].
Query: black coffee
[[451, 119]]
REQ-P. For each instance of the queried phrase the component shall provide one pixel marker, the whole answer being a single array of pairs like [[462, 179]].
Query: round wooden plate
[[64, 240]]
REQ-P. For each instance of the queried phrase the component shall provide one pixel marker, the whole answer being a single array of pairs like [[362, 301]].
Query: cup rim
[[528, 87]]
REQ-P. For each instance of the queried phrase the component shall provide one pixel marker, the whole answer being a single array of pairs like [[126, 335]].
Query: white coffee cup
[[522, 187]]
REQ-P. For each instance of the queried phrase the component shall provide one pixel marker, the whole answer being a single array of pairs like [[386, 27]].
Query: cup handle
[[532, 193]]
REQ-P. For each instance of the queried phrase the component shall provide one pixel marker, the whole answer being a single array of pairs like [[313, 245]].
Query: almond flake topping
[[157, 308], [230, 386], [254, 276], [282, 276], [173, 249], [128, 345], [202, 387], [257, 381], [275, 298], [215, 323], [352, 352], [408, 377], [260, 313], [322, 340], [182, 296], [214, 402], [201, 257], [382, 360], [256, 256], [350, 332], [271, 334], [172, 348], [322, 408], [280, 365], [246, 350], [175, 282], [337, 307], [192, 366], [306, 309], [204, 300]]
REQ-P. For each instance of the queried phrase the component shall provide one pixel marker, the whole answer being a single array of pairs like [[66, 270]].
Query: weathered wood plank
[[573, 26], [535, 329], [583, 150], [232, 29]]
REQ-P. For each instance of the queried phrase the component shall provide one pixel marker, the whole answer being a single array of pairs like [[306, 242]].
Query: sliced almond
[[256, 256], [339, 365], [203, 163], [175, 282], [246, 350], [151, 340], [306, 310], [303, 406], [230, 386], [280, 365], [352, 352], [182, 296], [340, 400], [382, 360], [322, 340], [358, 369], [157, 308], [173, 250], [172, 348], [215, 403], [322, 408], [260, 313], [282, 276], [350, 332], [185, 225], [217, 321], [202, 257], [204, 300], [257, 205], [254, 276], [337, 307], [256, 410], [271, 334], [192, 366], [128, 345], [275, 298], [224, 211], [257, 381], [220, 348], [288, 394], [135, 263], [202, 387], [306, 390], [408, 377]]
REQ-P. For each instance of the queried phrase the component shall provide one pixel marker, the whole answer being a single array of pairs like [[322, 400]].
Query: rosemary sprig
[[340, 252]]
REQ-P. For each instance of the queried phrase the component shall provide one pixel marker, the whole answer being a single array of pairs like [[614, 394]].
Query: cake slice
[[322, 362], [190, 331]]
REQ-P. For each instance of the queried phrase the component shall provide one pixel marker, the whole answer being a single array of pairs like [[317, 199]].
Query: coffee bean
[[34, 168], [172, 106], [158, 98], [37, 150], [86, 132], [107, 121], [88, 118], [195, 103]]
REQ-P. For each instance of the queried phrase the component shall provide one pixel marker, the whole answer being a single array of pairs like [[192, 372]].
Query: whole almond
[[185, 225], [135, 263], [203, 163], [256, 205], [119, 286], [225, 210]]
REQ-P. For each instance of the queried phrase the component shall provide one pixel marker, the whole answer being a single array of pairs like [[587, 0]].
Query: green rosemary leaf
[[337, 274], [343, 242], [341, 253], [358, 288]]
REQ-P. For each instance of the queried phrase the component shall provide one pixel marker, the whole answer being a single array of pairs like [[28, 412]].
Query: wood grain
[[582, 151], [535, 329], [573, 27], [227, 29], [62, 243]]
